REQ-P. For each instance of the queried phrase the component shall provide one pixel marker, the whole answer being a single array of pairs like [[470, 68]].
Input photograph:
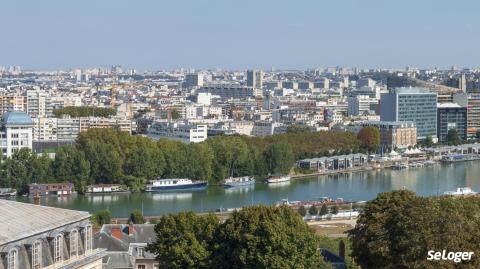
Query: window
[[58, 249], [12, 259], [36, 255], [141, 252], [74, 243], [141, 266], [88, 238]]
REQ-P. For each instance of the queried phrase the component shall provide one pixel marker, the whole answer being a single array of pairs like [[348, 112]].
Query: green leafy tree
[[428, 142], [323, 210], [266, 237], [136, 217], [135, 184], [279, 158], [83, 111], [102, 217], [105, 162], [145, 161], [302, 211], [297, 128], [397, 229], [184, 240], [231, 154], [334, 210], [453, 138], [175, 114], [313, 210], [369, 138]]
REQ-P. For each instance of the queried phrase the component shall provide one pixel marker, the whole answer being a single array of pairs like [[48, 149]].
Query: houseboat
[[173, 184], [461, 192], [7, 192], [106, 188], [59, 189], [239, 181], [278, 178]]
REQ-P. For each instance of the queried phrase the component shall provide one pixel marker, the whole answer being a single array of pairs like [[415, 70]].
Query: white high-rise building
[[15, 132]]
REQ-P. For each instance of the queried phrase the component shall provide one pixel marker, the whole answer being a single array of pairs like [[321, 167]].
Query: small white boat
[[278, 178], [461, 192], [239, 181]]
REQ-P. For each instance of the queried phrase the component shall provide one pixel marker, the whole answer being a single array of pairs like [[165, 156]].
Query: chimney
[[130, 228], [36, 199], [116, 231]]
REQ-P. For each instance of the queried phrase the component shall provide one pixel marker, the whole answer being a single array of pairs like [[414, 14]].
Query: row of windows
[[12, 258]]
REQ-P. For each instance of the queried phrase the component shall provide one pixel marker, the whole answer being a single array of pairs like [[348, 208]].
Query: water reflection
[[171, 196]]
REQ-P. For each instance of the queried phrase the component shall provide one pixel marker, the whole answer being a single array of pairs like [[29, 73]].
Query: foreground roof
[[21, 220]]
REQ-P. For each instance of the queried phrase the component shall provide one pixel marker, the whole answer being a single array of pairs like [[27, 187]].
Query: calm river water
[[353, 187]]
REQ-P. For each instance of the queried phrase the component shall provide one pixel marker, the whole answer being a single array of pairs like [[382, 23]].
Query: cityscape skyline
[[265, 35]]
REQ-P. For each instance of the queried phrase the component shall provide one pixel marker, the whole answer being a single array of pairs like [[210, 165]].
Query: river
[[358, 186]]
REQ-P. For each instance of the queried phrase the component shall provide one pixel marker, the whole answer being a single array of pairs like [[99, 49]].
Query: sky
[[295, 34]]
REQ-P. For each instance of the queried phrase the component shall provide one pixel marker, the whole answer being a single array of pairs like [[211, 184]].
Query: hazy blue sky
[[55, 34]]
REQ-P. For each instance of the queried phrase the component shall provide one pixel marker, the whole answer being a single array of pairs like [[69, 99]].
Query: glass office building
[[416, 105]]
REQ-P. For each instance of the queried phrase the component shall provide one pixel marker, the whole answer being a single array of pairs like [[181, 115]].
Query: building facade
[[16, 132], [451, 116], [416, 105], [471, 101], [255, 79], [187, 133], [395, 134]]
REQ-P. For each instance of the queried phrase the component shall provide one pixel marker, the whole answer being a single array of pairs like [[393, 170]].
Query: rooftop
[[448, 105], [412, 90], [21, 220], [17, 118]]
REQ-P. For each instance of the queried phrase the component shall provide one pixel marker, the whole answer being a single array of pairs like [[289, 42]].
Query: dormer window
[[58, 248], [36, 255], [74, 243], [12, 260], [88, 238], [141, 252]]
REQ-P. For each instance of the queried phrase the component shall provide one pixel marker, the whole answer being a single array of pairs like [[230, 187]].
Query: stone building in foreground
[[40, 237]]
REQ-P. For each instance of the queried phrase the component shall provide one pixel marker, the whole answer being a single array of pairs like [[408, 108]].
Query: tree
[[266, 237], [136, 217], [297, 128], [334, 210], [397, 229], [302, 211], [175, 114], [323, 210], [428, 142], [145, 161], [184, 240], [231, 154], [312, 210], [453, 138], [279, 158], [102, 217], [135, 184], [105, 162], [83, 111], [369, 138]]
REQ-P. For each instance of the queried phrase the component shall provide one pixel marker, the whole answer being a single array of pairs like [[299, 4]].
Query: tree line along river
[[359, 186]]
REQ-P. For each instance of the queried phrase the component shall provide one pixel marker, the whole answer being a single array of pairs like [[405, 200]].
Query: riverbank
[[333, 172]]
